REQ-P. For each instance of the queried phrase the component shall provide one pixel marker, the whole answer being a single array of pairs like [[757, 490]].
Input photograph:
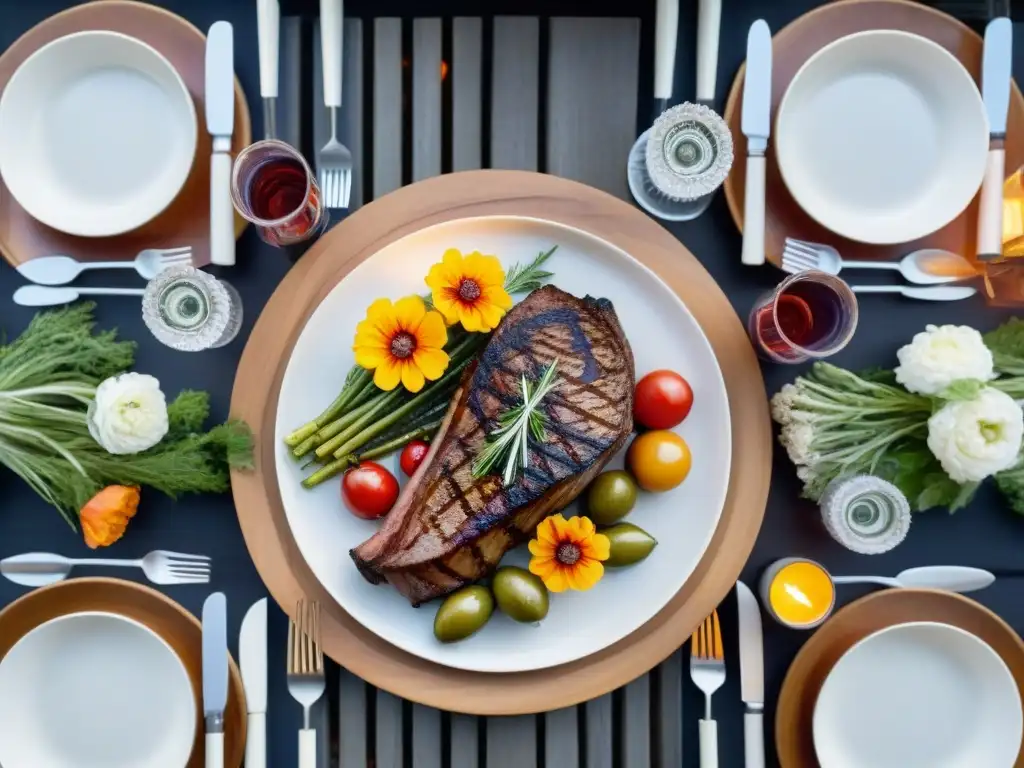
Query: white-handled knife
[[751, 675], [215, 675], [268, 27], [220, 122], [666, 32], [996, 75], [709, 24], [755, 121], [252, 656]]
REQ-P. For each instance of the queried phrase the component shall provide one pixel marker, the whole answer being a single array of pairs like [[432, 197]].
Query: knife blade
[[751, 675], [220, 123], [215, 675], [755, 122], [995, 92], [252, 655]]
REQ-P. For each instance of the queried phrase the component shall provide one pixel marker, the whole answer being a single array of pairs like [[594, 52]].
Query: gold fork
[[306, 681], [707, 670]]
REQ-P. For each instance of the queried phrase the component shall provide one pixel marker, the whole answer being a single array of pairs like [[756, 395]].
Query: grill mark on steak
[[449, 529]]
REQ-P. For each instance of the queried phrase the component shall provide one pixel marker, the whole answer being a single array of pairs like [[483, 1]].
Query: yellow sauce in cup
[[801, 593]]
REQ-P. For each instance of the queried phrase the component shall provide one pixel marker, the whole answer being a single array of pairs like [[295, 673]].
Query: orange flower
[[567, 554], [469, 290], [105, 516], [401, 342]]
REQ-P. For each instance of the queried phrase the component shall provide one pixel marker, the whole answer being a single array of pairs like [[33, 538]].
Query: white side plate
[[662, 333], [882, 137], [95, 690], [97, 134], [918, 695]]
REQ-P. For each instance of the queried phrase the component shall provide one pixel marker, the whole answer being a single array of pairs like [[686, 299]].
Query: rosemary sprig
[[522, 279], [508, 444]]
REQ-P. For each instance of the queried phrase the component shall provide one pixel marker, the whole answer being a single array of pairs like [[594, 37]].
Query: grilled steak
[[448, 528]]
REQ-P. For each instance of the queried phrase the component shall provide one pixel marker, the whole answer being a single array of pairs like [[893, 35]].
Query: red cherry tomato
[[662, 400], [369, 490], [412, 456]]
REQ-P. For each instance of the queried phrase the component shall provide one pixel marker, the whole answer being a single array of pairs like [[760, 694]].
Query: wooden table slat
[[289, 91], [389, 731], [426, 737], [561, 738], [515, 92], [599, 732], [636, 722], [670, 710], [387, 106], [352, 731], [467, 76], [465, 742], [426, 98], [512, 742]]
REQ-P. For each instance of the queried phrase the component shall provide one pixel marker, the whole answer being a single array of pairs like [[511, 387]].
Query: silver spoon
[[45, 296], [954, 578], [930, 293]]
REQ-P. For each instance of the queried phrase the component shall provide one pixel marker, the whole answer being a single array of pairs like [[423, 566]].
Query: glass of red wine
[[809, 315], [273, 187]]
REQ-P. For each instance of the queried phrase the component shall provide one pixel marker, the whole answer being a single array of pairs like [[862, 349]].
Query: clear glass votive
[[190, 310], [809, 315], [273, 187]]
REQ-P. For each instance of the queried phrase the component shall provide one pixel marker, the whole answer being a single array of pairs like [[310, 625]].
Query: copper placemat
[[794, 45], [186, 221], [179, 629], [483, 193], [794, 738]]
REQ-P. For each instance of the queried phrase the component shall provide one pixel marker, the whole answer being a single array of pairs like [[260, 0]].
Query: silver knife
[[215, 675], [220, 122], [751, 675], [268, 27], [252, 655], [995, 91], [755, 122]]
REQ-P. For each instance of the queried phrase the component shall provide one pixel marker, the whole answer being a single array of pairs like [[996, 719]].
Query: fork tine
[[719, 652], [800, 250], [290, 661], [184, 556], [187, 580], [182, 249], [189, 570], [176, 258]]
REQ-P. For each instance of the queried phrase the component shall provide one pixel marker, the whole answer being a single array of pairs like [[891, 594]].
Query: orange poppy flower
[[567, 554]]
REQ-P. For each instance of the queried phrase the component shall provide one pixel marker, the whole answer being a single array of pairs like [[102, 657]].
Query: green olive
[[629, 544], [520, 594], [611, 497], [462, 613]]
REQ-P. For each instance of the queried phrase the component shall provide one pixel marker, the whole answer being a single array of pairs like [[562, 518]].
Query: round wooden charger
[[484, 193], [179, 629], [794, 45], [186, 221], [794, 737]]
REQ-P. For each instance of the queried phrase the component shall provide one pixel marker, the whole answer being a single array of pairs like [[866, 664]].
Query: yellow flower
[[105, 516], [567, 554], [469, 290], [401, 342]]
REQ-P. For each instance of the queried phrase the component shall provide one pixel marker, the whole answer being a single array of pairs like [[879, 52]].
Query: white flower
[[973, 439], [796, 439], [938, 356], [129, 413], [783, 403]]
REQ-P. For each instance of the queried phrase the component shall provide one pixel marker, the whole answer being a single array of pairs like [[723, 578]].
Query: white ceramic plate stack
[[95, 690], [662, 333], [918, 695], [882, 137], [97, 134]]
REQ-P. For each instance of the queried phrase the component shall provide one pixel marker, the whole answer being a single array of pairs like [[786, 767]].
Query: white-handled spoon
[[46, 296], [955, 578], [931, 293]]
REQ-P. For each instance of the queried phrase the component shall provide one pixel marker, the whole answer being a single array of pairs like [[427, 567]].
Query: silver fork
[[61, 270], [306, 672], [36, 569], [334, 162], [707, 670]]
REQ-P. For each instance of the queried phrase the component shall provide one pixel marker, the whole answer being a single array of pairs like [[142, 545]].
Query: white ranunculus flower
[[940, 355], [128, 414], [973, 439]]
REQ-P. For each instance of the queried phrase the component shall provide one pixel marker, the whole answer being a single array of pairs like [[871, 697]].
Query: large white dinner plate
[[882, 137], [97, 133], [94, 690], [918, 695], [663, 334]]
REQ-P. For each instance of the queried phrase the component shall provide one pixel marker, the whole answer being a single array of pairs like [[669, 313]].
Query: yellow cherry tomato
[[659, 460]]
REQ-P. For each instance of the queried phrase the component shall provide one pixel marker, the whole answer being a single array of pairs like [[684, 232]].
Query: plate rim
[[257, 498], [783, 157], [976, 642], [181, 94], [630, 262], [180, 668]]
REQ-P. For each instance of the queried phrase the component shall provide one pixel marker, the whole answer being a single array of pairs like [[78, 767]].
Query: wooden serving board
[[482, 193], [186, 221], [794, 45]]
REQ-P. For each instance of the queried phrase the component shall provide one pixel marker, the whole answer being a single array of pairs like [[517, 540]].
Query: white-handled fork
[[61, 270]]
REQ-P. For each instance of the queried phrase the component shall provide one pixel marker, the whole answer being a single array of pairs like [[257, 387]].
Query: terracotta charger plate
[[178, 628], [791, 48], [508, 193], [794, 738], [186, 221]]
